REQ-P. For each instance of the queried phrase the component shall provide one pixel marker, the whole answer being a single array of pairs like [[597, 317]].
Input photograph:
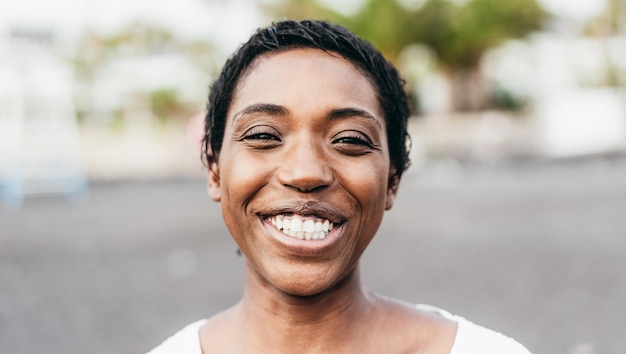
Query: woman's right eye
[[262, 137]]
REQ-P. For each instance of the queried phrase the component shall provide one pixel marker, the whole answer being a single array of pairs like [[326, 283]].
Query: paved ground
[[534, 249]]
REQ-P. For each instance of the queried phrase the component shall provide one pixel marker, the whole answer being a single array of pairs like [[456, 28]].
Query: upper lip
[[306, 208]]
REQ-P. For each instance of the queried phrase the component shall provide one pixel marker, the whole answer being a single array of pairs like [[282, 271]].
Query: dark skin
[[305, 139], [368, 324]]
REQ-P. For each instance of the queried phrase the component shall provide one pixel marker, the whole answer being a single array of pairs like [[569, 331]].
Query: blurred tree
[[299, 10], [610, 23], [384, 23], [96, 50], [165, 104], [459, 32]]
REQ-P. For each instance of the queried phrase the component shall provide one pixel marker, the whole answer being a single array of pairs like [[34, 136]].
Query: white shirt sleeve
[[475, 339], [185, 341]]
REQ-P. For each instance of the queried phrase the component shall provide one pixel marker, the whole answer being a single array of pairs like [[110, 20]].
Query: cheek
[[368, 184], [237, 182], [242, 177]]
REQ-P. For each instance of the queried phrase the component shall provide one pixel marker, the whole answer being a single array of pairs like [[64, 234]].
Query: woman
[[305, 146]]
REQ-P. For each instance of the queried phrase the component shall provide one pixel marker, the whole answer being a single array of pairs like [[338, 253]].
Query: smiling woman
[[305, 146], [310, 155]]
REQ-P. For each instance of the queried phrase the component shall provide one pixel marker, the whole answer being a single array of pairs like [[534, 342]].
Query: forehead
[[304, 75]]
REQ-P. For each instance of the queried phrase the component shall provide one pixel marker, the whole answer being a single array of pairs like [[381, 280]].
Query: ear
[[213, 176], [392, 190]]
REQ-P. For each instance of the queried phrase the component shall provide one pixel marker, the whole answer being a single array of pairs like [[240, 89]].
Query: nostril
[[310, 190], [306, 181]]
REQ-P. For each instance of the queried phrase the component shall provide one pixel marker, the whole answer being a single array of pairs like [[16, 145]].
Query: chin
[[302, 291], [304, 287], [311, 281]]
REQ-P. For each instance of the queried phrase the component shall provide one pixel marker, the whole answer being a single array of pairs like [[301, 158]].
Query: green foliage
[[140, 38], [165, 103], [459, 32], [96, 51], [386, 24], [300, 10], [609, 23], [504, 99]]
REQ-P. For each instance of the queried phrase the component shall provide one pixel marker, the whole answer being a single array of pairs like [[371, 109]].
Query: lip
[[303, 248], [305, 208], [296, 246]]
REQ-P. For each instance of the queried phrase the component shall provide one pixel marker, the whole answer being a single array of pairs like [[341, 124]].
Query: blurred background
[[511, 215]]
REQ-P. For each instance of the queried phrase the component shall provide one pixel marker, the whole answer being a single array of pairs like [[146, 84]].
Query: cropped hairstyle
[[288, 34]]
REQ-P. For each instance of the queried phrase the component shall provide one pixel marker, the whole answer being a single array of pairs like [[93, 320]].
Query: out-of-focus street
[[535, 249]]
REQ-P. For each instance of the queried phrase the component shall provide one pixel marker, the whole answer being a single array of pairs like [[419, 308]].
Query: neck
[[270, 316]]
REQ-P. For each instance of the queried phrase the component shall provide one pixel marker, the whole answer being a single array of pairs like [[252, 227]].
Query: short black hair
[[289, 34]]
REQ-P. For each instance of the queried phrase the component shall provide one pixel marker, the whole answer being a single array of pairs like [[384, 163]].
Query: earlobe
[[392, 191], [214, 186]]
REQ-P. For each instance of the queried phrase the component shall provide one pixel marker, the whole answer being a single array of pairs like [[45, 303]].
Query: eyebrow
[[277, 110], [352, 112], [261, 108]]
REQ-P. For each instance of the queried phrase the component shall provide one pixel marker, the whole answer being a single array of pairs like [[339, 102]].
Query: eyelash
[[260, 134], [354, 139], [350, 141]]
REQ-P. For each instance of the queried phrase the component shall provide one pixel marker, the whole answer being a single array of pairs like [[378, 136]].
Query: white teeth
[[296, 224], [302, 227], [308, 226]]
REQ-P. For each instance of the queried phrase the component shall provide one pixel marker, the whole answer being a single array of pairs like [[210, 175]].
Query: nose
[[305, 167]]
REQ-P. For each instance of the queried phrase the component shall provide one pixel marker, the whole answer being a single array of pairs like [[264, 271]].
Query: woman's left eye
[[354, 140], [353, 143], [261, 136]]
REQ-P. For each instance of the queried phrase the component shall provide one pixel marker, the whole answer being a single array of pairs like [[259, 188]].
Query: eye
[[261, 133], [353, 143], [353, 140], [261, 137]]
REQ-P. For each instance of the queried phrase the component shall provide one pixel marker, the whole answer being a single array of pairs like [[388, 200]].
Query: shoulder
[[187, 340], [410, 329], [475, 339], [472, 338]]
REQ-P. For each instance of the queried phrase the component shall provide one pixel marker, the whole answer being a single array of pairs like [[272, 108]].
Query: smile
[[301, 227]]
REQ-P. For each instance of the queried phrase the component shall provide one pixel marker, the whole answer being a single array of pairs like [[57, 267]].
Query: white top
[[474, 339], [470, 338], [185, 341]]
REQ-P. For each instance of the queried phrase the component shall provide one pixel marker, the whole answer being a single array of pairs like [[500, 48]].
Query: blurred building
[[39, 144], [576, 86], [570, 88]]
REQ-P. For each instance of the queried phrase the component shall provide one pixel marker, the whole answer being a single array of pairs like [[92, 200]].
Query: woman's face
[[304, 167]]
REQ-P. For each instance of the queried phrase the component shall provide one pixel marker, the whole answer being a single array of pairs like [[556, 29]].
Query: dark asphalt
[[535, 249]]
